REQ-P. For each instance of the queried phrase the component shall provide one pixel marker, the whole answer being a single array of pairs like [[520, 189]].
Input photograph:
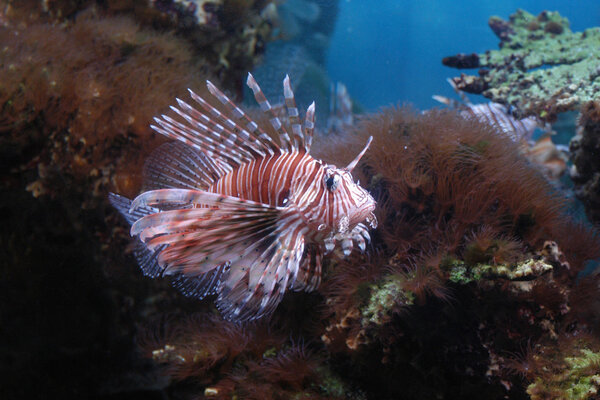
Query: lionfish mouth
[[371, 220]]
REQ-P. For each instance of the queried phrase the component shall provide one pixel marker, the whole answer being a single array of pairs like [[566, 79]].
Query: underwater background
[[479, 282], [407, 39]]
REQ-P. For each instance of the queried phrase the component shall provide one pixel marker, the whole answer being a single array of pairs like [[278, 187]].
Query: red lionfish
[[550, 158], [493, 114], [229, 211]]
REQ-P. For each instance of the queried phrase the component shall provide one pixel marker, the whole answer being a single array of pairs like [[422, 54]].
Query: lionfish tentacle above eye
[[228, 211], [354, 162]]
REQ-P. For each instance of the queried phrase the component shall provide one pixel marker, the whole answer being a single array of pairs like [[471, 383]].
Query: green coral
[[541, 68], [383, 298], [461, 273], [331, 385], [579, 380]]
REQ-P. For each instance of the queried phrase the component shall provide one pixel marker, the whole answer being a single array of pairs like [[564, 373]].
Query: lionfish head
[[351, 202]]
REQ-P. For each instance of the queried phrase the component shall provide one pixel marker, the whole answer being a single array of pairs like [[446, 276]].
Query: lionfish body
[[231, 212]]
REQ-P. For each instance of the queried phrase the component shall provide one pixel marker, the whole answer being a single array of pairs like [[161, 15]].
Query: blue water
[[390, 51]]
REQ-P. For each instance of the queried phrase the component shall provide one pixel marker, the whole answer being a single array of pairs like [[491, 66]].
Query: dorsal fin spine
[[211, 127], [293, 114], [254, 146], [309, 126], [203, 142], [263, 140], [265, 106], [190, 137]]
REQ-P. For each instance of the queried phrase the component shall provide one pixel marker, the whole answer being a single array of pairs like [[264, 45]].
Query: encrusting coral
[[542, 68]]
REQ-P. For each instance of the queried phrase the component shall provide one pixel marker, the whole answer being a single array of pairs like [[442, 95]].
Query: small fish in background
[[340, 108], [229, 211], [493, 114], [551, 159]]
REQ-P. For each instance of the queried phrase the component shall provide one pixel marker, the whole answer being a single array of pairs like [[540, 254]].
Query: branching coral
[[541, 68]]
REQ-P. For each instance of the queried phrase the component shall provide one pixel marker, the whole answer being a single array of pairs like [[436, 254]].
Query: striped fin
[[146, 259], [196, 135], [447, 101], [309, 273], [309, 126], [293, 114], [215, 133], [266, 108], [123, 206], [497, 115], [194, 286], [201, 286], [262, 245], [233, 137], [196, 197], [178, 166], [245, 298], [460, 93], [263, 138], [220, 125]]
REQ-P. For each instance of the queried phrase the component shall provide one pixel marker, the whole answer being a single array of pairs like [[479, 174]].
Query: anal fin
[[203, 285]]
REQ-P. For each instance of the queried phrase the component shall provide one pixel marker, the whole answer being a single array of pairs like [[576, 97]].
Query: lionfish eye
[[332, 182]]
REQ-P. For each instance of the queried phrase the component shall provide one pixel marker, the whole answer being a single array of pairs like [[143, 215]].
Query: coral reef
[[585, 172], [254, 361], [76, 99], [471, 287], [542, 68], [229, 34], [543, 152], [472, 263], [569, 372]]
